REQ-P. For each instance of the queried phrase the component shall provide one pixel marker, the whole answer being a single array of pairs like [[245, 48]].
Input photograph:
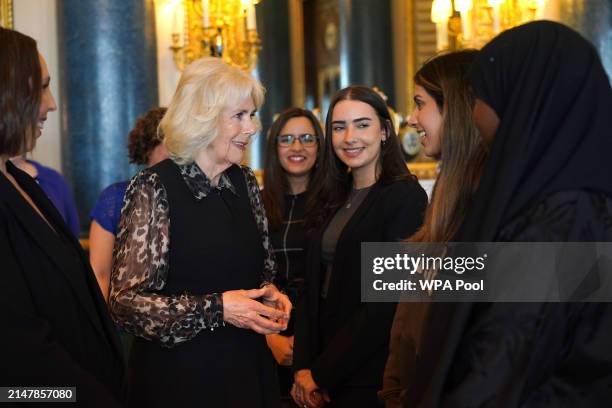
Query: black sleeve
[[305, 323], [30, 356], [368, 329], [404, 211], [304, 330], [538, 354]]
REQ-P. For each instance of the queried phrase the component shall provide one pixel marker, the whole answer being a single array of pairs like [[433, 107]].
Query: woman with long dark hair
[[293, 152], [341, 344], [56, 330], [443, 117], [543, 106]]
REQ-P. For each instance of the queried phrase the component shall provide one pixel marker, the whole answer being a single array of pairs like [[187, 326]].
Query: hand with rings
[[306, 393]]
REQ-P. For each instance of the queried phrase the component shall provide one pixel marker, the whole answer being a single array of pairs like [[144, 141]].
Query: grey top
[[334, 229]]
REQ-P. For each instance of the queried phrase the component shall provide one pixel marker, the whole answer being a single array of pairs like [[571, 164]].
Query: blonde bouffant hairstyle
[[207, 86]]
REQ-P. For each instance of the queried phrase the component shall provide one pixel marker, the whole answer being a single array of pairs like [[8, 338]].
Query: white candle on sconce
[[496, 19], [177, 27], [441, 35], [174, 21], [205, 14], [466, 23], [441, 10], [251, 17], [495, 14], [464, 7]]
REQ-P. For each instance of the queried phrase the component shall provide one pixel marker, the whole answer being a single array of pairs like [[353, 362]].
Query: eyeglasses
[[306, 139]]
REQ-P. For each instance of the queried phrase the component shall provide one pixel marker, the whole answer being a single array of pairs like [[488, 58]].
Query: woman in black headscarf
[[543, 107]]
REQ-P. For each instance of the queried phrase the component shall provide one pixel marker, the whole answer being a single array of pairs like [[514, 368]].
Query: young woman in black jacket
[[341, 343], [56, 330], [293, 152]]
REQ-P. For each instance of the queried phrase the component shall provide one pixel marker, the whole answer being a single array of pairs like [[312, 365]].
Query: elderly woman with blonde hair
[[193, 268]]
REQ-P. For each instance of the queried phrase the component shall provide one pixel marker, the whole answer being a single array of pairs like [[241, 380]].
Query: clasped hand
[[306, 393], [241, 309]]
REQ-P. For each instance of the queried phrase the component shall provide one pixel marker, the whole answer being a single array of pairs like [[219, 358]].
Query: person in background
[[543, 108], [443, 117], [56, 330], [145, 147], [293, 149], [341, 344], [192, 270], [56, 188]]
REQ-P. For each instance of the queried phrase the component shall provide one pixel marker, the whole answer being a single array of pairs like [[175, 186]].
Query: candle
[[205, 15], [464, 7], [441, 35], [251, 18], [441, 10], [495, 10], [496, 19], [466, 25], [177, 27], [175, 21]]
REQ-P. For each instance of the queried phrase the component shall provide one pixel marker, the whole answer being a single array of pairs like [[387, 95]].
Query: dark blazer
[[347, 344], [56, 330]]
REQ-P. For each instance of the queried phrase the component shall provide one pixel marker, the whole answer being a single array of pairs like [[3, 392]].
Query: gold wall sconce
[[219, 28], [473, 23]]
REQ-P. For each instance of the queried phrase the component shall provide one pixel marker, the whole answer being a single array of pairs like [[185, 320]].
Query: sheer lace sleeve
[[140, 269], [269, 271]]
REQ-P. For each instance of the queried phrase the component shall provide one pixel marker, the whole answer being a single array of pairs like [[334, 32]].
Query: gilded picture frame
[[6, 13]]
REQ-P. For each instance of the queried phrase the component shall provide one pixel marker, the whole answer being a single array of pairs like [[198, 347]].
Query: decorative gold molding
[[296, 36], [424, 170], [6, 13], [219, 28], [403, 63]]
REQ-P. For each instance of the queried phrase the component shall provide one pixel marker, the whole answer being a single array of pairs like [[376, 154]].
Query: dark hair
[[275, 177], [145, 136], [445, 78], [20, 92], [335, 181]]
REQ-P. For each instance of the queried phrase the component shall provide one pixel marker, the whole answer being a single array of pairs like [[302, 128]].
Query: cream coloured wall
[[37, 18], [168, 74]]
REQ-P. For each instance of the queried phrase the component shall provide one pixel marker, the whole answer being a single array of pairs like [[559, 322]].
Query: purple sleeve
[[58, 191], [107, 210]]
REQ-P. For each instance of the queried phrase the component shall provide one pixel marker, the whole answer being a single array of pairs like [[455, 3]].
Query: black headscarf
[[548, 87]]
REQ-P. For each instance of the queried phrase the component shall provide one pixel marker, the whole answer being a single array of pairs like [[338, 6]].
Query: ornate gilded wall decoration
[[6, 13]]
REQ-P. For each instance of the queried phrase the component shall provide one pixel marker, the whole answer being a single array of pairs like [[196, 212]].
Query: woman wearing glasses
[[341, 343], [294, 146]]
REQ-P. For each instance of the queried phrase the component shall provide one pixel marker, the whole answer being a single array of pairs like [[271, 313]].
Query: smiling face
[[236, 126], [427, 119], [47, 103], [357, 135], [297, 159]]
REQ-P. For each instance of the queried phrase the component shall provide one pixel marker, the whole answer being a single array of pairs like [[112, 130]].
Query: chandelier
[[473, 23], [220, 28]]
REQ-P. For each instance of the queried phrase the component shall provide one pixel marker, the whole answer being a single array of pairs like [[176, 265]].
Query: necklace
[[353, 196]]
